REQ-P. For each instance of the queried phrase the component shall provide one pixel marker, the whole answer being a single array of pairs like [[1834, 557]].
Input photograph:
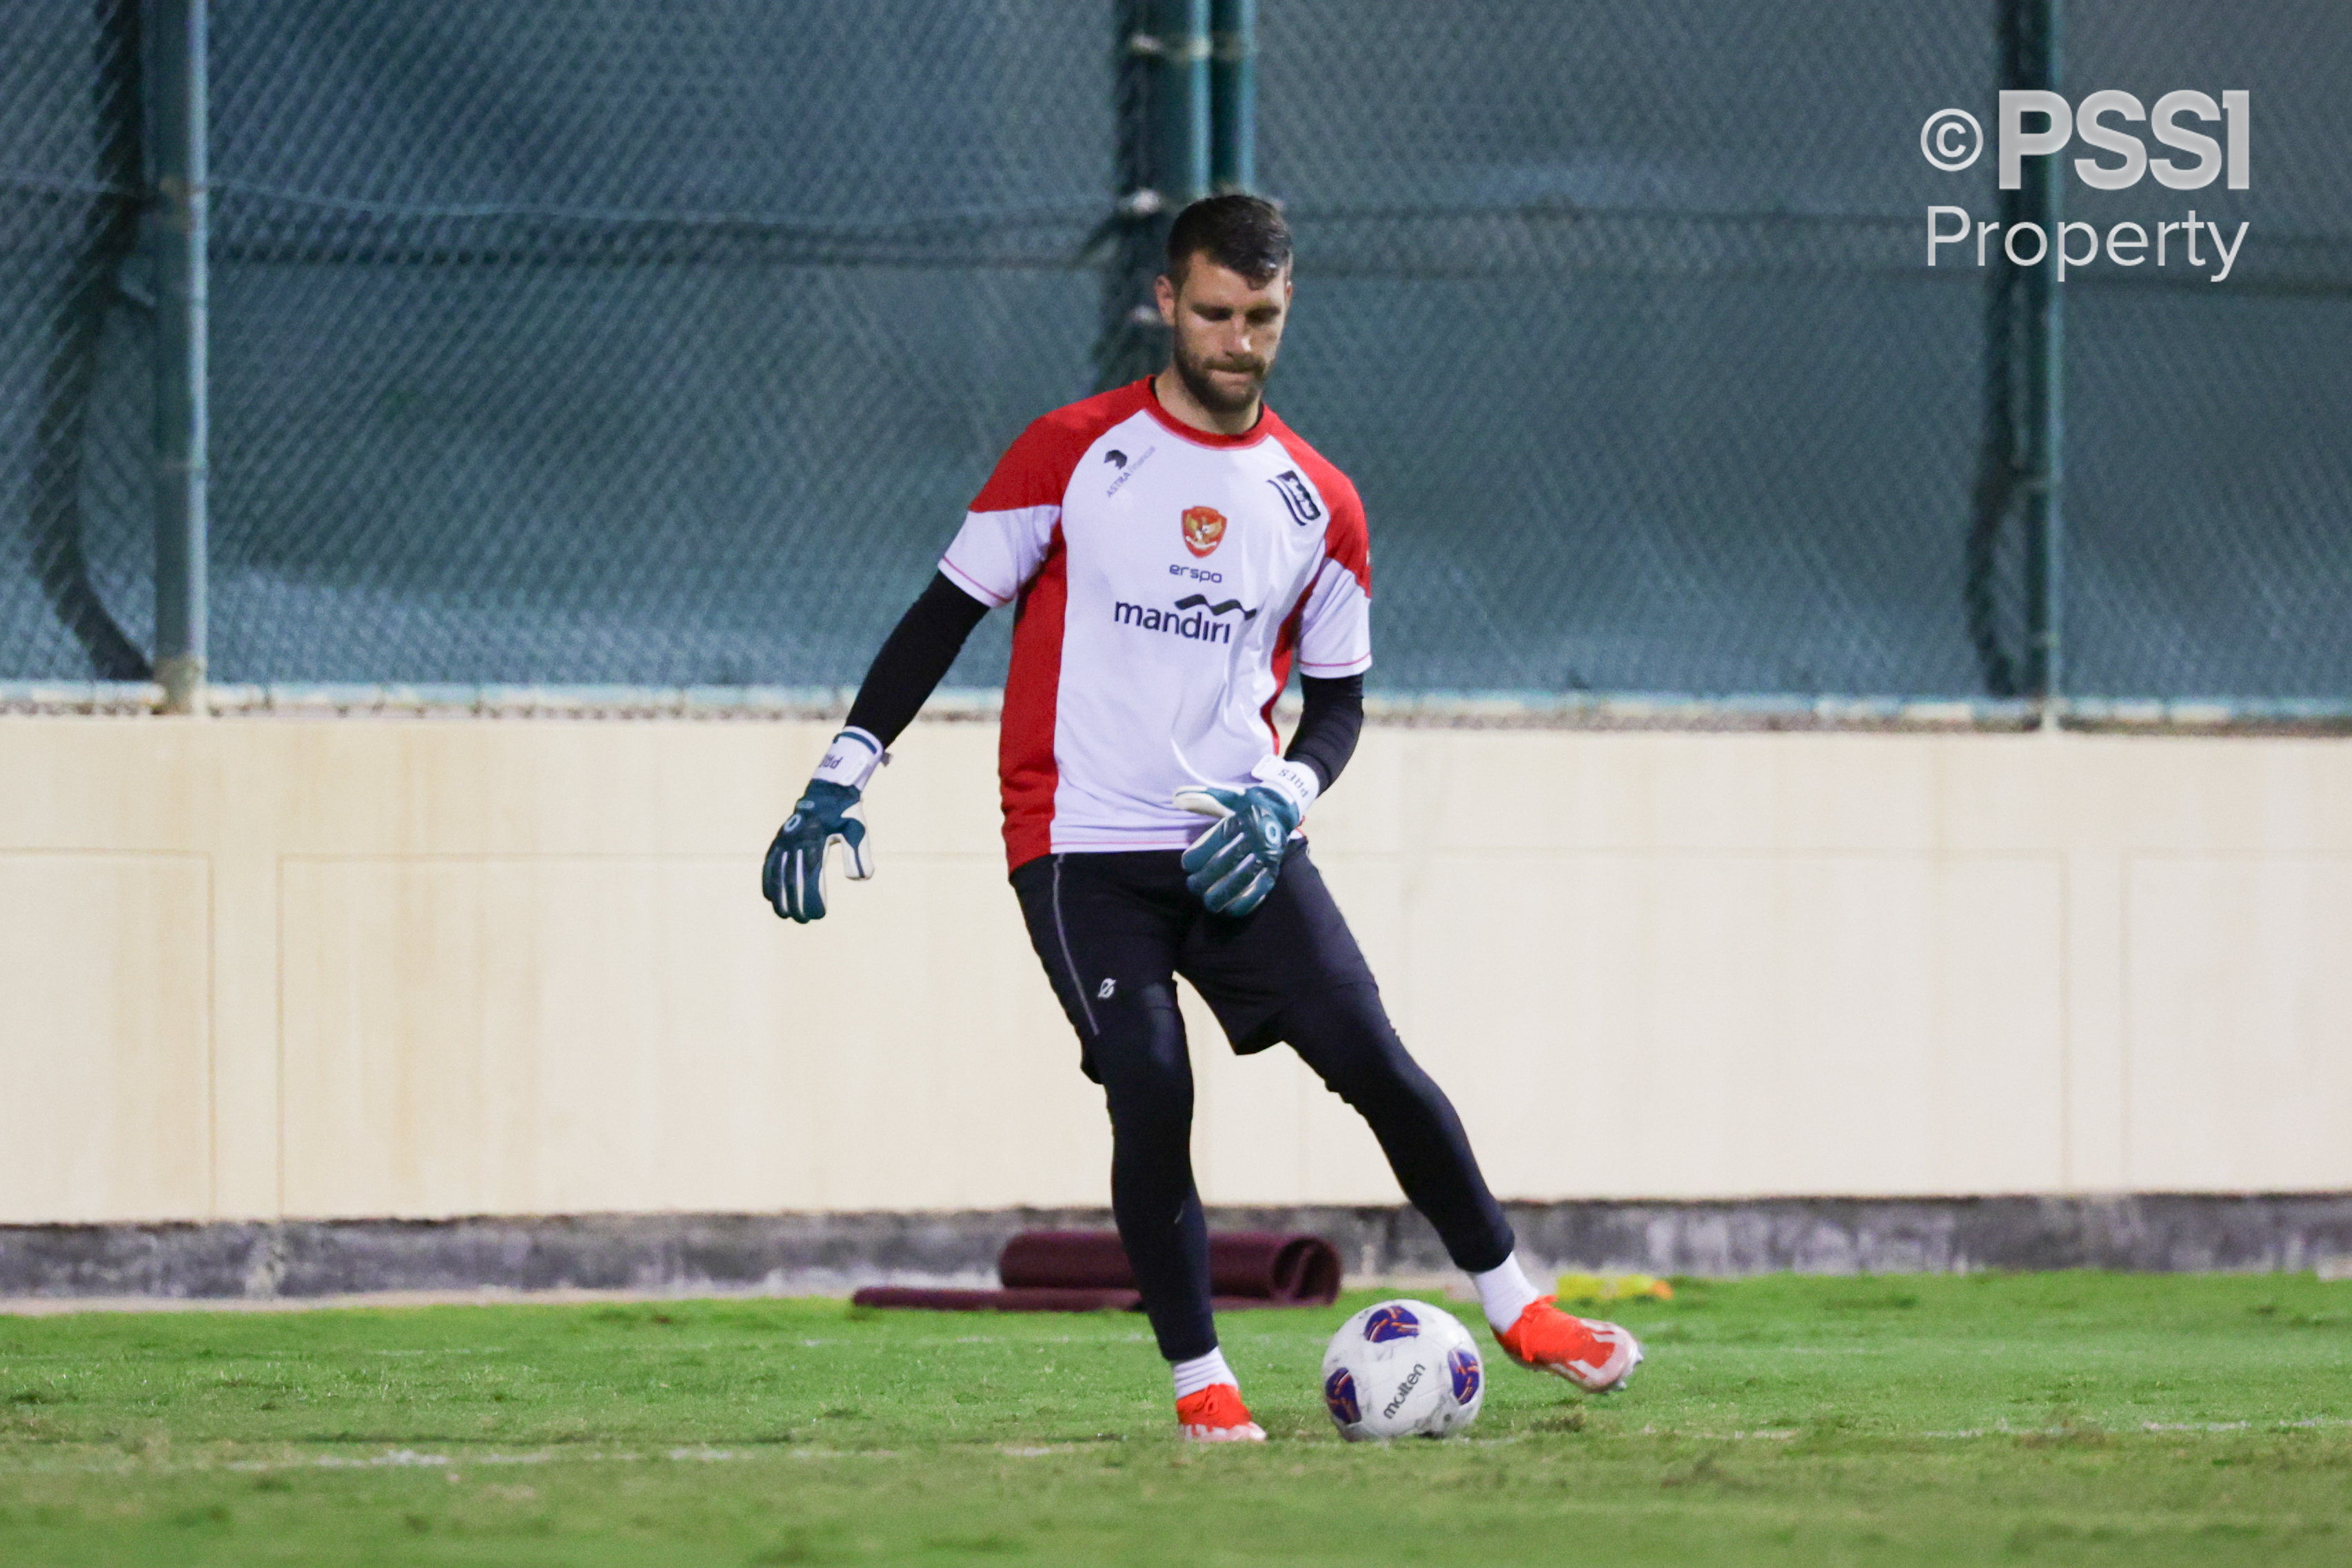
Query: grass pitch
[[1992, 1418]]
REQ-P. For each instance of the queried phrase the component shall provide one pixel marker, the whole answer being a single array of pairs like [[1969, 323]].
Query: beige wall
[[258, 967]]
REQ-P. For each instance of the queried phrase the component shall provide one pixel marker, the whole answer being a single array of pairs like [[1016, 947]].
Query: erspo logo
[[1953, 140]]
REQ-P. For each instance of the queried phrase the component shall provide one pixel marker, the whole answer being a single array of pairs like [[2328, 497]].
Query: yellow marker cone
[[1613, 1287]]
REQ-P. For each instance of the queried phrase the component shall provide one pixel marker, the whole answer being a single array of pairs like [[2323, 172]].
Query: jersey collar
[[1250, 437]]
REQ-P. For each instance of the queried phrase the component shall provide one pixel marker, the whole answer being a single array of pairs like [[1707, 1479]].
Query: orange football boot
[[1216, 1415], [1593, 1355]]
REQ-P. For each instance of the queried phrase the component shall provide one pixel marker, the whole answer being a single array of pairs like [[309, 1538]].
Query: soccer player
[[1171, 551]]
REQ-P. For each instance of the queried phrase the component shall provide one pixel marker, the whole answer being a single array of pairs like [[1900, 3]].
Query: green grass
[[1992, 1418]]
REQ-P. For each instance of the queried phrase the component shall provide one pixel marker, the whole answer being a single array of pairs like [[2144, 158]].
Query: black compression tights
[[1345, 1036]]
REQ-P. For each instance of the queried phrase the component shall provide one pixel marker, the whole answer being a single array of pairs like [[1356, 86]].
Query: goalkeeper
[[1172, 550]]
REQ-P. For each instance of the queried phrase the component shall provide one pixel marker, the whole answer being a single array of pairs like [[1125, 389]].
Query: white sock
[[1505, 1292], [1193, 1375]]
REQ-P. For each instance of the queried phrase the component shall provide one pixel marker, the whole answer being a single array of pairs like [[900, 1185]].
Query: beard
[[1194, 372]]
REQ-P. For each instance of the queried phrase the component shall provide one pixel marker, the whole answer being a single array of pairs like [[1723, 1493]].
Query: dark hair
[[1242, 233]]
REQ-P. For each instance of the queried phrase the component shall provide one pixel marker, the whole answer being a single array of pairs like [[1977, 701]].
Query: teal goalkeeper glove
[[1233, 866], [829, 812]]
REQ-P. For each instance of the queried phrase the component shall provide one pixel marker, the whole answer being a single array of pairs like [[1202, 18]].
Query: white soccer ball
[[1402, 1369]]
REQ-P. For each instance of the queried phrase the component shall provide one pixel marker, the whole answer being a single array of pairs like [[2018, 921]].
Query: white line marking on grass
[[2242, 1426], [399, 1458], [408, 1458], [2003, 1430]]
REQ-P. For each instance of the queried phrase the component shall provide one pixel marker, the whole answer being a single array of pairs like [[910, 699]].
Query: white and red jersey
[[1167, 579]]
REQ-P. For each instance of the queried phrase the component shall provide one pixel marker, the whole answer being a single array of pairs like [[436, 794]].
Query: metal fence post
[[2038, 63], [1179, 160], [2021, 465], [181, 233], [1233, 95], [1162, 112]]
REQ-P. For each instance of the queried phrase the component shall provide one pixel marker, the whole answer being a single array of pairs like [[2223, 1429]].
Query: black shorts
[[1119, 921]]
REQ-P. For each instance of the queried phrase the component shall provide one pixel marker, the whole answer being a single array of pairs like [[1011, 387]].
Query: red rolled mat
[[1284, 1268], [1065, 1260], [1087, 1271], [1026, 1301], [1276, 1268]]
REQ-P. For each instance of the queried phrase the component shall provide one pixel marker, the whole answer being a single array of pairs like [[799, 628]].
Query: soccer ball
[[1402, 1369]]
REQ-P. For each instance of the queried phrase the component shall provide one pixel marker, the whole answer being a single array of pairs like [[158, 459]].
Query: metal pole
[[1180, 153], [1233, 95], [181, 230], [1161, 109], [2039, 64]]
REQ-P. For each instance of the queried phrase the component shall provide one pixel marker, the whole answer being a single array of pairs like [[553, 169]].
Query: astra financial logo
[[1205, 623], [1126, 470]]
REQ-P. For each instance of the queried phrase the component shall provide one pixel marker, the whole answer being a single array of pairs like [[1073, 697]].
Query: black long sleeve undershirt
[[914, 659], [915, 656], [1329, 724]]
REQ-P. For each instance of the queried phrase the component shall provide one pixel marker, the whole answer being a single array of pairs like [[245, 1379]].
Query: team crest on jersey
[[1304, 509], [1205, 529]]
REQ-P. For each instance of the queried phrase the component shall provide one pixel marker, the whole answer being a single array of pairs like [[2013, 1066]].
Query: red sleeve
[[1010, 530], [1036, 469], [1346, 536]]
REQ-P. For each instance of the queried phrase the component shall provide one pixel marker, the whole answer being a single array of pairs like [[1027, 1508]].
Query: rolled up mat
[[1037, 1300], [1065, 1259], [1087, 1271], [1273, 1268], [1026, 1301], [1284, 1268]]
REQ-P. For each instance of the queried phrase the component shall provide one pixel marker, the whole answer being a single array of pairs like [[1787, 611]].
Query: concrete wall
[[262, 967]]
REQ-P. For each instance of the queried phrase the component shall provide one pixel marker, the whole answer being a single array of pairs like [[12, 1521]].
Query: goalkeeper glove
[[827, 812], [1233, 866]]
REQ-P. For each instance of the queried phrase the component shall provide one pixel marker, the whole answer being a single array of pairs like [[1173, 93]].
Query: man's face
[[1226, 329]]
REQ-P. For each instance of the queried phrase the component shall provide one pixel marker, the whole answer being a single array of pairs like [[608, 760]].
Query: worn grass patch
[[1995, 1419]]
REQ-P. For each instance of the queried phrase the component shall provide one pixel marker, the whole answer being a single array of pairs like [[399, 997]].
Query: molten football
[[1402, 1369]]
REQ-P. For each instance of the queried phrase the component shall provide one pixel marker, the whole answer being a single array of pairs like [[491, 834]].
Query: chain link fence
[[77, 593], [1618, 321], [599, 342], [2208, 492]]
